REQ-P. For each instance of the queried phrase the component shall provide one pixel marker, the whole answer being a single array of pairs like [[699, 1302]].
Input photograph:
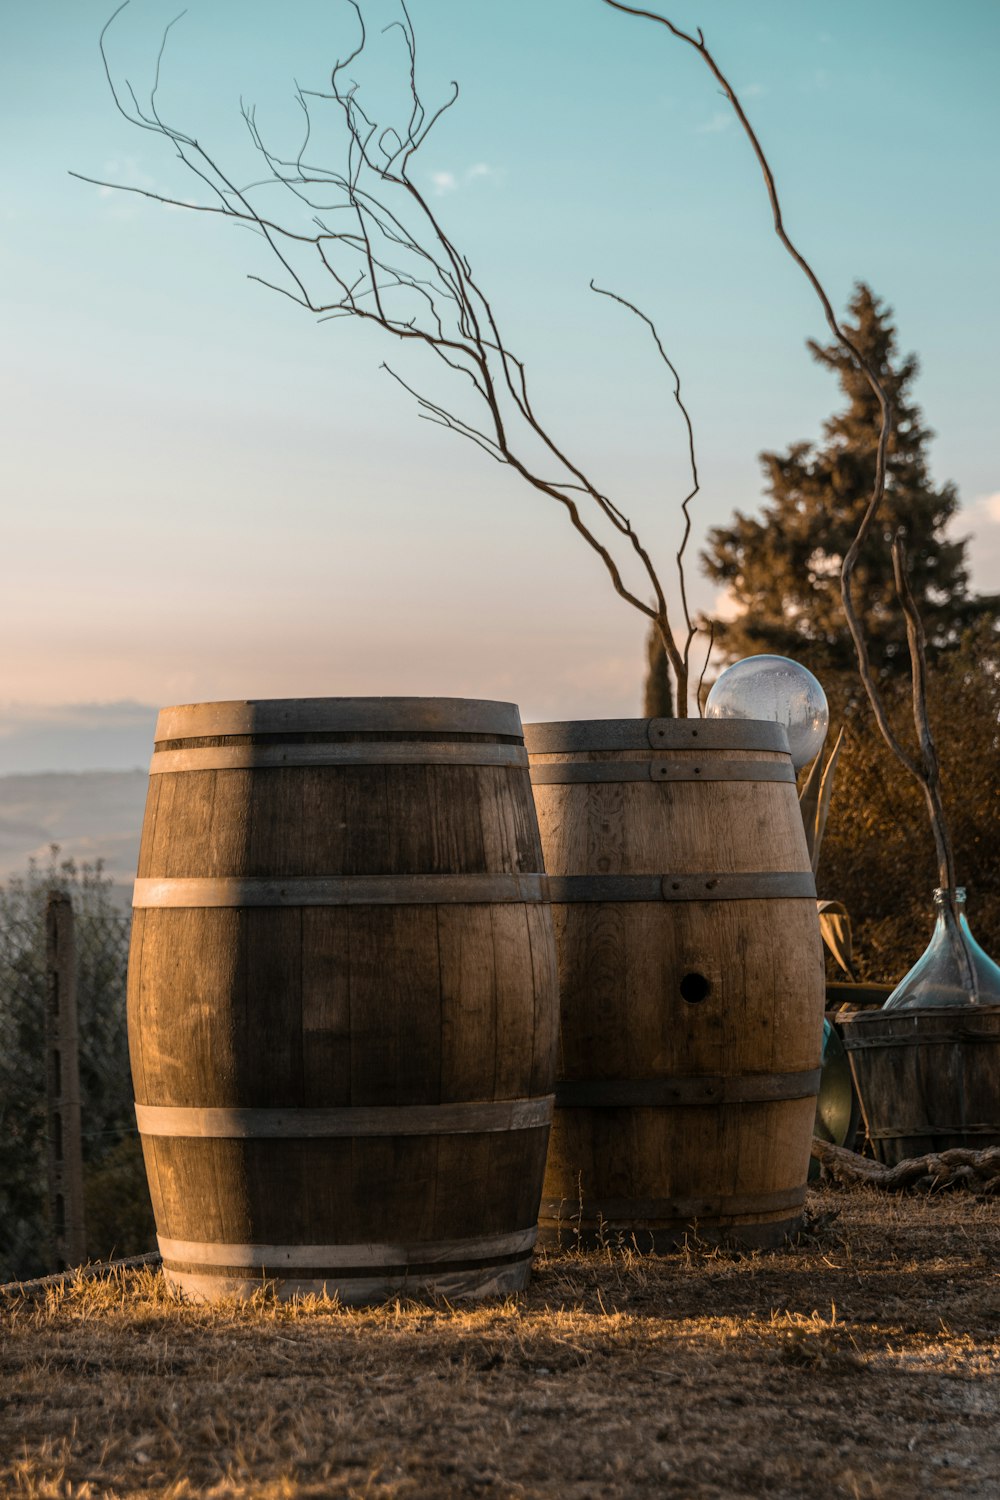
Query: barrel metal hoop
[[282, 715], [342, 890], [758, 886], [658, 1093], [279, 1258], [562, 773], [400, 753], [660, 734], [480, 1117], [635, 1211], [933, 1130]]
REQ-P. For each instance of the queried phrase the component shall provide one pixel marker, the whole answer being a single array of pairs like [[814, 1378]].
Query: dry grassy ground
[[861, 1362]]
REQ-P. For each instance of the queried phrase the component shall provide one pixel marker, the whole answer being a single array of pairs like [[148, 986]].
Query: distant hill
[[91, 815]]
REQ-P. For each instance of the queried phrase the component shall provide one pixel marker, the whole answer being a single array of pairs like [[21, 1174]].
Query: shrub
[[116, 1200]]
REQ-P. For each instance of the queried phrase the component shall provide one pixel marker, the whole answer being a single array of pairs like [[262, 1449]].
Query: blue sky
[[210, 496]]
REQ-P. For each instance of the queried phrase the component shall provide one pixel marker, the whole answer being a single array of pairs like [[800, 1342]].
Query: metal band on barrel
[[342, 890], [562, 773], [633, 1210], [657, 734], [279, 1258], [658, 1093], [402, 753], [481, 1117], [765, 885], [305, 715]]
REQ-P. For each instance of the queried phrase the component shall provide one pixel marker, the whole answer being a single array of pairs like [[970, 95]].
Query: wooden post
[[62, 1075]]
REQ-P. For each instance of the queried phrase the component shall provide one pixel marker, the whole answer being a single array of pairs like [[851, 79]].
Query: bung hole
[[695, 987]]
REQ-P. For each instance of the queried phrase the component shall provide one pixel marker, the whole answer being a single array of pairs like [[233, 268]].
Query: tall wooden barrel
[[928, 1079], [691, 979], [342, 997]]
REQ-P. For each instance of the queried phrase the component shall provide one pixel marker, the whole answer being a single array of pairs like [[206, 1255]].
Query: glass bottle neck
[[945, 901]]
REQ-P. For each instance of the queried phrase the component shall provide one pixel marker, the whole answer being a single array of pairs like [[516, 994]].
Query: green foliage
[[784, 568], [658, 694], [878, 853], [816, 796], [113, 1172]]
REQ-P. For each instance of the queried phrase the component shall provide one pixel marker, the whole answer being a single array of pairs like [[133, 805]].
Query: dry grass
[[861, 1362]]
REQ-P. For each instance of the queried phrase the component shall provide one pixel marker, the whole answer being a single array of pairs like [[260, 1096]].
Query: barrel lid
[[310, 715], [655, 734]]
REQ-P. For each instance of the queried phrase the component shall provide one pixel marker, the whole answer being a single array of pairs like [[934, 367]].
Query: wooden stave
[[233, 821], [650, 1132], [514, 854]]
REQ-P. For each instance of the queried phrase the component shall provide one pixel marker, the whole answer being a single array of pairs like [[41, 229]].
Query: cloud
[[124, 714], [124, 173], [979, 523], [480, 171], [74, 736], [982, 512], [720, 121]]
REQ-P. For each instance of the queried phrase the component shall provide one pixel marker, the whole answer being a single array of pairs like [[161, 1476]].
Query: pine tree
[[658, 694], [784, 568]]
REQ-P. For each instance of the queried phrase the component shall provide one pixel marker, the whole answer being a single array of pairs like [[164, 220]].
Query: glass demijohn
[[936, 977]]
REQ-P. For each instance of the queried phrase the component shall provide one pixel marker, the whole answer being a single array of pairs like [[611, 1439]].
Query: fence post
[[62, 1078]]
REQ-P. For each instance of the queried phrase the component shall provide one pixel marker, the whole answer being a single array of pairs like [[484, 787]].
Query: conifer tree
[[784, 567], [658, 694]]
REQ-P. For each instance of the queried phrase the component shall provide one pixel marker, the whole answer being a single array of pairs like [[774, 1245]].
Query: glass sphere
[[776, 688]]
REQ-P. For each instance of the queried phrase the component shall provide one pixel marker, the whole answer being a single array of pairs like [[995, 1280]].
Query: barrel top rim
[[390, 712], [552, 736]]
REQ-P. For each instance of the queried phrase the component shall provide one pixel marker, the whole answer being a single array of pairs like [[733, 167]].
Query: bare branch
[[616, 297], [931, 780], [392, 263], [925, 770], [708, 657]]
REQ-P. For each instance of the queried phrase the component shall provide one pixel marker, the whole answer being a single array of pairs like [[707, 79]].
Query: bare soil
[[861, 1361]]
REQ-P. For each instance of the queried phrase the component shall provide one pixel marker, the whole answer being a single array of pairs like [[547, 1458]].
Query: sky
[[207, 494]]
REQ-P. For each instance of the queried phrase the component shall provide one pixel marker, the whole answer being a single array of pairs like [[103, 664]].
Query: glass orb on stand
[[779, 689]]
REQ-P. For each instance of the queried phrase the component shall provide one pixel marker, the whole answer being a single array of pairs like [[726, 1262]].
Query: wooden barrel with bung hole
[[691, 979], [342, 998]]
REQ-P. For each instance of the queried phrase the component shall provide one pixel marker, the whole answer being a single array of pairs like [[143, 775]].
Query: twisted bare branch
[[924, 770], [386, 258]]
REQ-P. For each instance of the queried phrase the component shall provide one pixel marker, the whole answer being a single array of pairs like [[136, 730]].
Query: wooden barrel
[[691, 980], [928, 1079], [342, 998]]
